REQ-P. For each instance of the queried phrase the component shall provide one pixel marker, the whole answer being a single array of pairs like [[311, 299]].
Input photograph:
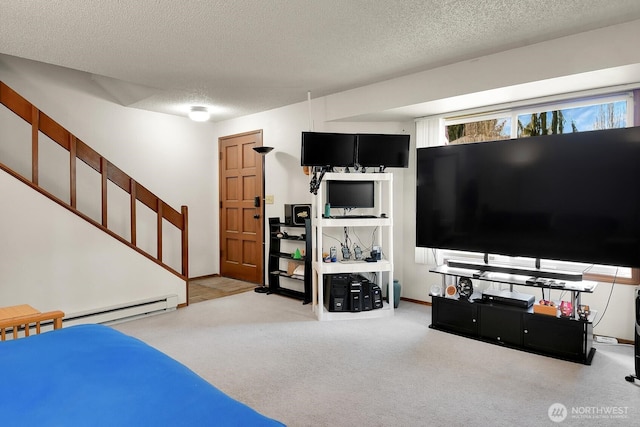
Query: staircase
[[168, 221]]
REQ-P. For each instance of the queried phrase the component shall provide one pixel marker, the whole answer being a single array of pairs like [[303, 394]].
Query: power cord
[[615, 276], [314, 184], [346, 251]]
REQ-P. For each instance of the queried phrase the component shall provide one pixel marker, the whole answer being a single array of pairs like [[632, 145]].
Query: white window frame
[[592, 101]]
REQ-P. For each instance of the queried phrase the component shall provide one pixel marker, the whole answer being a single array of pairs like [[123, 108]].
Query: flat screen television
[[326, 149], [350, 194], [382, 150], [572, 197]]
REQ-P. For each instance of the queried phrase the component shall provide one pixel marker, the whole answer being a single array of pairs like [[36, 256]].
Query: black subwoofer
[[631, 378], [296, 214], [637, 355]]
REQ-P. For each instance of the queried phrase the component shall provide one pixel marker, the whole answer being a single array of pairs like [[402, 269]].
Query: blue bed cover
[[93, 375]]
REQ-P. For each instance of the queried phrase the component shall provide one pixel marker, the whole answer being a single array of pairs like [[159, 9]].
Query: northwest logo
[[557, 412]]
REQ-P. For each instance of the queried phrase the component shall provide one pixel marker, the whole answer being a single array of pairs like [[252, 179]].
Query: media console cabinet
[[568, 338]]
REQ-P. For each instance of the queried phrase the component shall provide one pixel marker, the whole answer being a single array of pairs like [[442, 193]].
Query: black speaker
[[631, 378], [296, 214], [637, 357]]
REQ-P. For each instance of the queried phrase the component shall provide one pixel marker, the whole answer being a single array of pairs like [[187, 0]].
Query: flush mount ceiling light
[[199, 114]]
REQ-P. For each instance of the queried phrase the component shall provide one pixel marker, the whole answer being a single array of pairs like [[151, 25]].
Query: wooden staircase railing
[[77, 149]]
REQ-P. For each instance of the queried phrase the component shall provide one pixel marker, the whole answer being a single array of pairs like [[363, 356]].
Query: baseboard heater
[[116, 313], [523, 271], [113, 314], [123, 312]]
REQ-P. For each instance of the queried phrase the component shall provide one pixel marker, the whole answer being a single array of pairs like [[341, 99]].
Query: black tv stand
[[568, 338]]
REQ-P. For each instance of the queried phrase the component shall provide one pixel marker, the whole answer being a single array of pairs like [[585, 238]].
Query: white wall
[[585, 61], [284, 177], [54, 260], [177, 160], [171, 156]]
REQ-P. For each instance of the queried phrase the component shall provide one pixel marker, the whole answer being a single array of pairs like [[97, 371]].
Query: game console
[[515, 299]]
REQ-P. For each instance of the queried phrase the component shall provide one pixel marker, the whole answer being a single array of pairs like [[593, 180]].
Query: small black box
[[296, 214], [515, 299]]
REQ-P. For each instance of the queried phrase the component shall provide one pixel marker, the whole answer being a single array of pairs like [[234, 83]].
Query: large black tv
[[382, 150], [351, 194], [325, 149], [572, 197]]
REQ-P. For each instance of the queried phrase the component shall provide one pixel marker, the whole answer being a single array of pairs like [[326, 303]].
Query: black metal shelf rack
[[278, 233]]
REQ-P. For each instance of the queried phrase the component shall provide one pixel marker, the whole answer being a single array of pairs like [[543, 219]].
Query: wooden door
[[241, 221]]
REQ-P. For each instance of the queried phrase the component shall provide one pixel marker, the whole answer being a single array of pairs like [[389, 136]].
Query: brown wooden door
[[241, 222]]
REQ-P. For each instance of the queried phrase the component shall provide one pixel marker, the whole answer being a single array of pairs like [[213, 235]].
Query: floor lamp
[[263, 151]]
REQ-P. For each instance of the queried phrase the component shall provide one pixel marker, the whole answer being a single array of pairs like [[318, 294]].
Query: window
[[612, 111], [546, 119], [598, 116], [479, 130]]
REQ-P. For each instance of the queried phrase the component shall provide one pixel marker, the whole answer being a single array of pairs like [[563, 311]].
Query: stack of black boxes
[[351, 292]]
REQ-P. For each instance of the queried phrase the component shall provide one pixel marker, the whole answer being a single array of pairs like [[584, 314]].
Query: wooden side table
[[24, 315]]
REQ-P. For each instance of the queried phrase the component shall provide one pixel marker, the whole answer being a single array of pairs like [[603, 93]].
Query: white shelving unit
[[383, 268]]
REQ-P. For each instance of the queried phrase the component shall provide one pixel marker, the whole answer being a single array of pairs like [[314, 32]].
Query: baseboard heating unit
[[117, 313]]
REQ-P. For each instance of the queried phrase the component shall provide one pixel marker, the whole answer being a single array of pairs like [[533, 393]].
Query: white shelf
[[324, 314], [384, 238], [354, 222], [587, 286], [352, 267], [357, 176]]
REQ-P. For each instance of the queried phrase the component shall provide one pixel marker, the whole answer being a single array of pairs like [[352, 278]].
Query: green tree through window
[[580, 119]]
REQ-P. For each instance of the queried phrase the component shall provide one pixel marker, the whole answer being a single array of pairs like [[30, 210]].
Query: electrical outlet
[[268, 199], [606, 340]]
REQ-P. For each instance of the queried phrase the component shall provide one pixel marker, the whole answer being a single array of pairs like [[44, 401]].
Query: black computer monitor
[[328, 149], [350, 194], [382, 151]]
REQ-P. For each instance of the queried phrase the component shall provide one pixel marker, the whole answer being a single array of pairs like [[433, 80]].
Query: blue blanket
[[93, 375]]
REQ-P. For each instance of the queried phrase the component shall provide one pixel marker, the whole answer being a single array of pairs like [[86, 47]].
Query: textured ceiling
[[245, 56]]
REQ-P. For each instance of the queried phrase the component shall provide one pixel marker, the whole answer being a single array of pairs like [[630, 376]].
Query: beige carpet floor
[[270, 352]]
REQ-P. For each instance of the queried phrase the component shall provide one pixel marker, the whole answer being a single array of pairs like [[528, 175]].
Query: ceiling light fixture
[[199, 114], [262, 150]]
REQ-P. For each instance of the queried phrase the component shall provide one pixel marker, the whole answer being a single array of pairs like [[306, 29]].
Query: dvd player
[[515, 299]]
